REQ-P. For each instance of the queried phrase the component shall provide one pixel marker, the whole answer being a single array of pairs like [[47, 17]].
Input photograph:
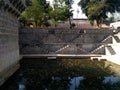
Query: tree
[[97, 9], [58, 12], [37, 12], [41, 12], [61, 11], [69, 14], [45, 5], [33, 12]]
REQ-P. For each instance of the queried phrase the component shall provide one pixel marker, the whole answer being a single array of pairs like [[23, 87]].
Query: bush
[[72, 25]]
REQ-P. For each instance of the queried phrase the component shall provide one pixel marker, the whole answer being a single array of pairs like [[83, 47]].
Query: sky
[[77, 13]]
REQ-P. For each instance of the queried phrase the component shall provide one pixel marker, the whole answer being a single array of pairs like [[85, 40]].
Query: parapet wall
[[60, 41], [9, 48]]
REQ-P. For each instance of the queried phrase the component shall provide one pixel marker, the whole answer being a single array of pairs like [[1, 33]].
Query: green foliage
[[72, 25], [111, 18], [98, 9], [69, 5], [37, 13], [41, 12], [61, 11]]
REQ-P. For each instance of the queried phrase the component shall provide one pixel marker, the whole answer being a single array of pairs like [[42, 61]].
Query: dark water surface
[[62, 74]]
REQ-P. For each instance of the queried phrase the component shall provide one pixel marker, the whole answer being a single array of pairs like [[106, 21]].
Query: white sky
[[75, 8]]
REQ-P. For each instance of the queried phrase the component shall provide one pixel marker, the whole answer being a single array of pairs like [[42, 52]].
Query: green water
[[62, 74]]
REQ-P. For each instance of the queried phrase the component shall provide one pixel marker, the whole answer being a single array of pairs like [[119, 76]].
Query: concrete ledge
[[60, 55]]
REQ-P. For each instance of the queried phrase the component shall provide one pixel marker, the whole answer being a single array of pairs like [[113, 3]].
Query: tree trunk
[[69, 22], [99, 23], [36, 23]]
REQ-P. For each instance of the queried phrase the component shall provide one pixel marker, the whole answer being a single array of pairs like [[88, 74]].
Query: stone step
[[111, 50], [116, 39]]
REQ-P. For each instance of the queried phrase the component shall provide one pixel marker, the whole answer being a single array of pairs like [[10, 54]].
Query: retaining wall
[[60, 41], [9, 49]]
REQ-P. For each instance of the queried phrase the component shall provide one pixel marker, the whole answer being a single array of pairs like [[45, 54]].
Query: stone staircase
[[110, 50], [61, 49], [71, 49], [100, 49]]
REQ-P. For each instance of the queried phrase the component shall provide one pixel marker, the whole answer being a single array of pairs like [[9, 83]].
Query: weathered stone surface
[[9, 49], [61, 41]]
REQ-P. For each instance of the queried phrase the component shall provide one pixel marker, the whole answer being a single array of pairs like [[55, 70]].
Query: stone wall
[[60, 41], [9, 48]]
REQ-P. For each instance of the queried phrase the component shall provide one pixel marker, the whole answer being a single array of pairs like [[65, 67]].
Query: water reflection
[[75, 82], [62, 74]]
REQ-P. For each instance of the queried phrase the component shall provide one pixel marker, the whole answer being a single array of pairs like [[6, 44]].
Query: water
[[62, 74]]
